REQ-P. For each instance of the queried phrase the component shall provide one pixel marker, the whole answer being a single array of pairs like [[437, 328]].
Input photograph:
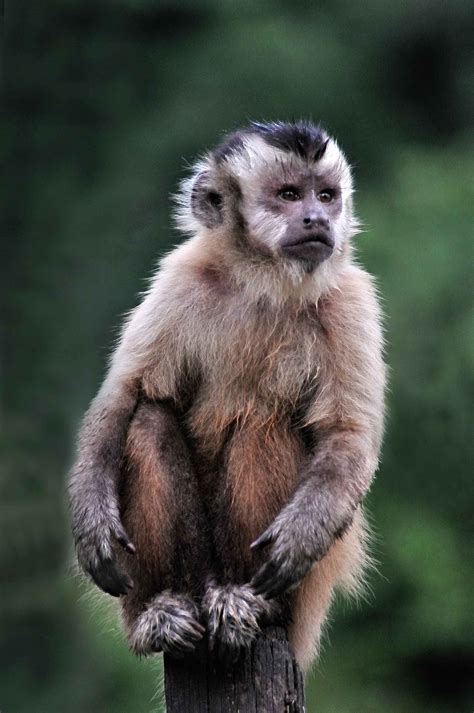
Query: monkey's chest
[[245, 422], [256, 375], [263, 362], [259, 389]]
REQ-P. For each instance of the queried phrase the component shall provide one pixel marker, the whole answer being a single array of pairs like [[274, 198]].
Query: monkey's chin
[[311, 251]]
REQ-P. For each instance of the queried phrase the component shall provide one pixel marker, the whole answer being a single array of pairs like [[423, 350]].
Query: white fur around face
[[258, 166], [253, 166]]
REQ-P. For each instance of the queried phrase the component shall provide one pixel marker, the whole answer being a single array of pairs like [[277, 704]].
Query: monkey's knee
[[154, 425]]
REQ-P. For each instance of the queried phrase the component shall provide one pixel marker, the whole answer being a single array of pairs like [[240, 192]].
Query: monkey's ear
[[206, 201]]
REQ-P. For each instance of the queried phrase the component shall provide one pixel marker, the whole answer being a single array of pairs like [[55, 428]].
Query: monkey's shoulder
[[189, 279], [353, 304]]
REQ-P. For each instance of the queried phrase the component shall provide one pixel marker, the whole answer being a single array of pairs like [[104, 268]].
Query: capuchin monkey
[[222, 465]]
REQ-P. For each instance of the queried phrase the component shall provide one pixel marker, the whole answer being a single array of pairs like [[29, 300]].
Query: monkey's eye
[[327, 195], [288, 193]]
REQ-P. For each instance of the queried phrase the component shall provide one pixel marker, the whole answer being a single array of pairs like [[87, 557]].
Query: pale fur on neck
[[278, 280]]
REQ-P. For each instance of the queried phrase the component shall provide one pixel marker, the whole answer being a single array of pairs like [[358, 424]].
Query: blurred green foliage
[[105, 102]]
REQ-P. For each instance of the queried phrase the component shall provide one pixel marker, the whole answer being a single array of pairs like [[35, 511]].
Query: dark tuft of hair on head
[[232, 143], [302, 138]]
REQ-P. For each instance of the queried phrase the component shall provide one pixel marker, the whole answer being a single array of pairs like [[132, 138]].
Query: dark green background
[[105, 104]]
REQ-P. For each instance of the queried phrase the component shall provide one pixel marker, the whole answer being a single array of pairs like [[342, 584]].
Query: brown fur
[[250, 390], [160, 508], [255, 379]]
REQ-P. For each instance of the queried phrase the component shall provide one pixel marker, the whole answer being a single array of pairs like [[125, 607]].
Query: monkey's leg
[[258, 472], [162, 511]]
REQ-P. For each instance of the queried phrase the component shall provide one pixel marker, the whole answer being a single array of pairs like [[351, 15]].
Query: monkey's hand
[[296, 543], [96, 534]]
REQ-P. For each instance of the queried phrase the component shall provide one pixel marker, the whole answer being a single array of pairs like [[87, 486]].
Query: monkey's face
[[285, 189], [307, 206], [295, 208]]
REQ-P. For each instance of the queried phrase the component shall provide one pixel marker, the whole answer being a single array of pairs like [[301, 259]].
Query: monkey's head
[[281, 190]]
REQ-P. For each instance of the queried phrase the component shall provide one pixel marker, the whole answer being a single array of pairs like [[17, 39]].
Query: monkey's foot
[[233, 613], [169, 624]]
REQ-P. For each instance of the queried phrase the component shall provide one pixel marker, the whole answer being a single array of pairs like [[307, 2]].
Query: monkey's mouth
[[309, 238], [313, 246]]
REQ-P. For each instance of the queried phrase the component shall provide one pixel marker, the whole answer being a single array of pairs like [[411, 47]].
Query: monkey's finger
[[272, 582], [109, 585], [184, 646], [266, 572], [124, 540], [260, 578], [199, 628], [129, 546], [265, 539], [175, 651], [195, 631], [283, 580], [179, 646], [276, 586], [185, 635], [109, 578]]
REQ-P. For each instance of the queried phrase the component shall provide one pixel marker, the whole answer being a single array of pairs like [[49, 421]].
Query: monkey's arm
[[145, 356], [346, 418], [335, 481], [93, 485]]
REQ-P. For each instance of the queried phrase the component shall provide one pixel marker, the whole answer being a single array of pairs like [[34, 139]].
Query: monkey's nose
[[316, 221]]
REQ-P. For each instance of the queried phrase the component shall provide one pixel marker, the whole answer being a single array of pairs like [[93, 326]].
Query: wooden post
[[266, 679]]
